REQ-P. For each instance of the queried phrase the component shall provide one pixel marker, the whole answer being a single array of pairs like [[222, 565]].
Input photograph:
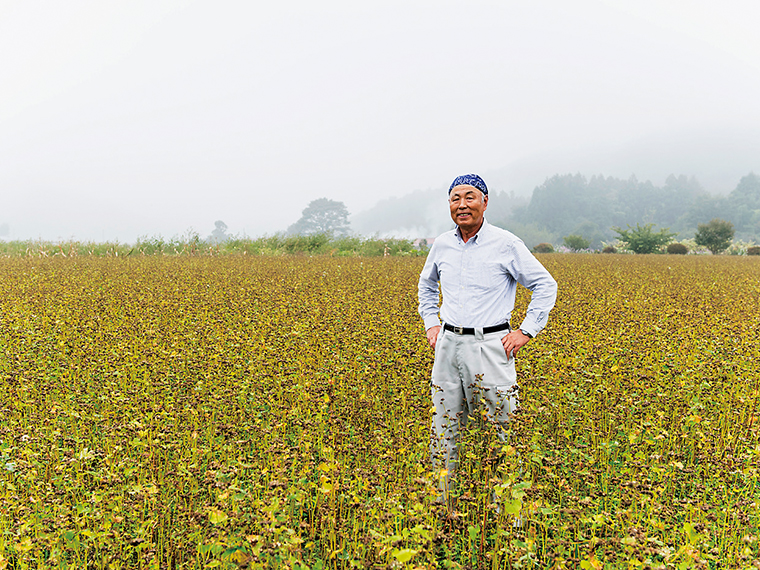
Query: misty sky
[[120, 119]]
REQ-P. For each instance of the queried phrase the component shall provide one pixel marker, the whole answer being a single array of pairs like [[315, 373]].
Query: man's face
[[467, 205]]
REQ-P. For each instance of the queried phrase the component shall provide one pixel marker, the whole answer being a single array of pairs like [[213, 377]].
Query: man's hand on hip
[[432, 334], [513, 342]]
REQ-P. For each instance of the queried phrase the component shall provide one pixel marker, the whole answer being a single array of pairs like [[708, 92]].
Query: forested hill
[[573, 204]]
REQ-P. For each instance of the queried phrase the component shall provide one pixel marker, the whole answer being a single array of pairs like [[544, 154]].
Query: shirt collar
[[483, 230]]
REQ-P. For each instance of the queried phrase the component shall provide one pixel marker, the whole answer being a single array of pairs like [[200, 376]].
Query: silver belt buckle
[[459, 330]]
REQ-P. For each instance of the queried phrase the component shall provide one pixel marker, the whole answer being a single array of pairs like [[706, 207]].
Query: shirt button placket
[[465, 274]]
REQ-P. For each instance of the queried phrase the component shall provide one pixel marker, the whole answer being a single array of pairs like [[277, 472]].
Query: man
[[478, 267]]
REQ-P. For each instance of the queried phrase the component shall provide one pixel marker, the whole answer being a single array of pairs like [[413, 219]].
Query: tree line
[[593, 208]]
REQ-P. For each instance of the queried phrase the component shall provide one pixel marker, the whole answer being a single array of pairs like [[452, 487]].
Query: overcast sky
[[128, 118]]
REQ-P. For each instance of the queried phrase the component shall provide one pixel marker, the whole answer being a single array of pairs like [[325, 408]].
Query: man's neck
[[467, 234]]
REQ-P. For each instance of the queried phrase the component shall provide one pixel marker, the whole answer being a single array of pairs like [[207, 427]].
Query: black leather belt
[[469, 330]]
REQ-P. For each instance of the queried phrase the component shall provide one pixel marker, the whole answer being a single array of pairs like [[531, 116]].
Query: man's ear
[[485, 201]]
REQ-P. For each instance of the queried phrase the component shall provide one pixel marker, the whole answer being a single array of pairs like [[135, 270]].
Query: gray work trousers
[[468, 370]]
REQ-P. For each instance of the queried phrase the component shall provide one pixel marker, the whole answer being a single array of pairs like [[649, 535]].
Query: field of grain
[[273, 412]]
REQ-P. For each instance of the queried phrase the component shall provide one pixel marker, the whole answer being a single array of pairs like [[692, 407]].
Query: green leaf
[[513, 507], [473, 531], [404, 555], [216, 516], [691, 532]]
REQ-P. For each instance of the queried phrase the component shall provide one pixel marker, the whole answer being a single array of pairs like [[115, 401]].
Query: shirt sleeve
[[427, 291], [529, 273]]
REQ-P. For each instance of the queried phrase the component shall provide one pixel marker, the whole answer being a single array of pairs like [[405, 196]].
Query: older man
[[478, 267]]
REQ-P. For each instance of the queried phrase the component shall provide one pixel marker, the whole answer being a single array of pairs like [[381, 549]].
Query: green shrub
[[314, 243], [643, 239], [678, 249], [544, 248], [609, 249]]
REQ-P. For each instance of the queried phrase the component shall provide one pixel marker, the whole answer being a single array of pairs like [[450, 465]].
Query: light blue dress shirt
[[479, 280]]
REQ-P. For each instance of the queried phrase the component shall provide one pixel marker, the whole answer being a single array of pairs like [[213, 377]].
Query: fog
[[125, 119]]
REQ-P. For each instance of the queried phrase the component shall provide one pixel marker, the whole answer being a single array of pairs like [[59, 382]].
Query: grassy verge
[[278, 244]]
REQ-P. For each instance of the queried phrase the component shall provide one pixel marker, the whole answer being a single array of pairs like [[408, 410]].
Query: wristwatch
[[526, 333]]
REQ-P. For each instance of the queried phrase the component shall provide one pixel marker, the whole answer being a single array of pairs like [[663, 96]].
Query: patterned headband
[[472, 180]]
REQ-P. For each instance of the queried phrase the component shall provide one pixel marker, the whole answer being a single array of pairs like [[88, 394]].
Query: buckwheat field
[[274, 412]]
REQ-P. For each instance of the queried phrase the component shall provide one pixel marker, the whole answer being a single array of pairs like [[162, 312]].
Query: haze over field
[[126, 119]]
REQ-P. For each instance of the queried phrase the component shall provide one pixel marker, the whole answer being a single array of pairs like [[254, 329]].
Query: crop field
[[274, 412]]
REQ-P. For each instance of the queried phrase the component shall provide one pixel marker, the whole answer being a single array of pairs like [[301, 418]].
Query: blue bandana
[[472, 180]]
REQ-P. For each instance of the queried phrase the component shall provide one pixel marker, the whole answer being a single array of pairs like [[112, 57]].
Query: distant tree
[[705, 207], [576, 242], [219, 234], [558, 204], [716, 235], [747, 192], [643, 239], [744, 207], [322, 216], [670, 199]]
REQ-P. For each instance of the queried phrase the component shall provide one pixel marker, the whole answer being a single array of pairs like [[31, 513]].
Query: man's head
[[468, 199]]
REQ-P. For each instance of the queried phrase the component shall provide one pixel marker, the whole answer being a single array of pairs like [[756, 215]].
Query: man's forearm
[[427, 295], [428, 306], [543, 297]]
